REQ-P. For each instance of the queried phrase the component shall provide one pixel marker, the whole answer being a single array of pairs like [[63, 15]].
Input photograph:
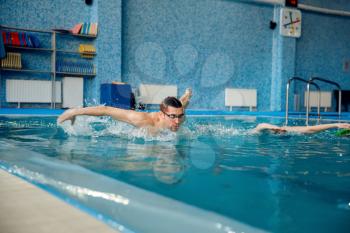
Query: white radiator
[[240, 97], [31, 91], [73, 92], [326, 99], [154, 94]]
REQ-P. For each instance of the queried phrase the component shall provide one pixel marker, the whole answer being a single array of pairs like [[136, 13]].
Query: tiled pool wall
[[207, 45]]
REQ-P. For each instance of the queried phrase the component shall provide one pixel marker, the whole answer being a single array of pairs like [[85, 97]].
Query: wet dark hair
[[170, 101]]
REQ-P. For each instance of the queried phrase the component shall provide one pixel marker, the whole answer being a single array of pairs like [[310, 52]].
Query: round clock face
[[290, 23]]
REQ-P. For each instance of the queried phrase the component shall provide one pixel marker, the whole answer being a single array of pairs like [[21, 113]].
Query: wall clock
[[290, 22]]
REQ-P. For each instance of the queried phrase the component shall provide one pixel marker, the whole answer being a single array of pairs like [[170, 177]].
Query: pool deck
[[26, 208]]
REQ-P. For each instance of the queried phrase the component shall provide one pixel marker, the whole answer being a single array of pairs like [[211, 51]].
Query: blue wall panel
[[323, 48], [207, 45], [343, 5]]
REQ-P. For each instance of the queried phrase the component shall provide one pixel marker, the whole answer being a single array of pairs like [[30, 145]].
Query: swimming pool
[[213, 176]]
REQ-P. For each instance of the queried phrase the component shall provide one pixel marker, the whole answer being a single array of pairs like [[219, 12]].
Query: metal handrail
[[311, 80], [287, 95]]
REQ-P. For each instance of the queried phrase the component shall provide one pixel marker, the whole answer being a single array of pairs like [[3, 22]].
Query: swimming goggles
[[173, 116]]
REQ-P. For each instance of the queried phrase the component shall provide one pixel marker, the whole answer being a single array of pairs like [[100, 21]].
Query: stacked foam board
[[12, 60], [85, 29]]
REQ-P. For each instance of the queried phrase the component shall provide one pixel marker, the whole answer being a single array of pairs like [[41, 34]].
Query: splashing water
[[105, 126]]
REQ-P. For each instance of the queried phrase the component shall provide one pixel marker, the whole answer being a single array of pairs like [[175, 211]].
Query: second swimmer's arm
[[318, 128]]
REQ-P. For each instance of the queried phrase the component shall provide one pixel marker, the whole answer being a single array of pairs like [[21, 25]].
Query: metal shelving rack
[[53, 52], [75, 74], [27, 71], [53, 70], [28, 48]]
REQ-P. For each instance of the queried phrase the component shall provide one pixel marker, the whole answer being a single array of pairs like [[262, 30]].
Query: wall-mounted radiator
[[240, 98], [326, 99], [73, 92], [154, 94], [31, 91]]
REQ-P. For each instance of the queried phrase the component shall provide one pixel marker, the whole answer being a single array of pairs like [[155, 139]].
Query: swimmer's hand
[[67, 115], [185, 99], [188, 92], [343, 125]]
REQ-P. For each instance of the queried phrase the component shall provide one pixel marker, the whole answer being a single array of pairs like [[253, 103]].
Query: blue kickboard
[[116, 95]]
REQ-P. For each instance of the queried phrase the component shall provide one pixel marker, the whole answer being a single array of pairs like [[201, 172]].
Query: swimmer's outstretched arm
[[300, 129], [185, 98], [316, 128], [139, 119]]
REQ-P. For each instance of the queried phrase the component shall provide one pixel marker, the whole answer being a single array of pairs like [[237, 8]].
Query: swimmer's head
[[173, 112], [170, 101]]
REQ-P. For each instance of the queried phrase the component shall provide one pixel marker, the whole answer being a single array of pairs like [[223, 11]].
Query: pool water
[[278, 183]]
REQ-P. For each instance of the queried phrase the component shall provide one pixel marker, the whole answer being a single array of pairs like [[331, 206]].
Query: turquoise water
[[278, 183]]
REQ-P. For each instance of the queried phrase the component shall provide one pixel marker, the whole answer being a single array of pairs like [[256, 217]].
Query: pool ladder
[[311, 80], [308, 85]]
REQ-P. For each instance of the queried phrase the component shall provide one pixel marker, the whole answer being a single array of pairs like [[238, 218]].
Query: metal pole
[[339, 107], [53, 71], [307, 103], [287, 94], [319, 106]]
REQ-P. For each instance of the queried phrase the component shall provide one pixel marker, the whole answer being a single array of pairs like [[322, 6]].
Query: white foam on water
[[219, 130], [105, 126]]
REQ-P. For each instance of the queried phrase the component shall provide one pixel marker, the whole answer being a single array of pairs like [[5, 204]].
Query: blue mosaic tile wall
[[323, 50], [207, 45], [343, 5]]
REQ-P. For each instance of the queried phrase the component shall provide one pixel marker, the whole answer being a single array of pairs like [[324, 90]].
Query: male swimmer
[[170, 116]]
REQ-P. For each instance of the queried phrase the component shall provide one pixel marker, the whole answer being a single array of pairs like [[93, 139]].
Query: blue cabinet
[[116, 95]]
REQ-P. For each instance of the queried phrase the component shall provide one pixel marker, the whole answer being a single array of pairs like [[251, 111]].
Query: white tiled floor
[[25, 208]]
